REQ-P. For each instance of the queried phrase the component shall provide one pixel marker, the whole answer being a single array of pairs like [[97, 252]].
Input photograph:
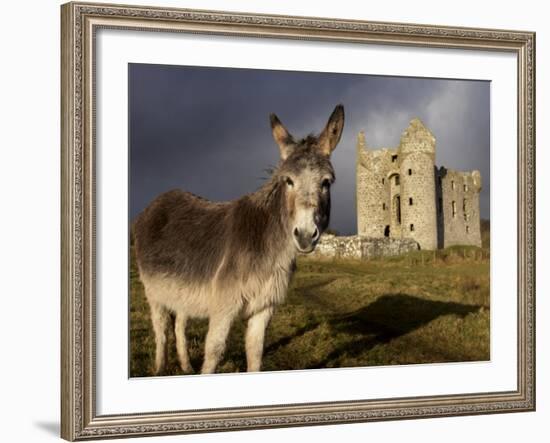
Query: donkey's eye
[[289, 182], [325, 183]]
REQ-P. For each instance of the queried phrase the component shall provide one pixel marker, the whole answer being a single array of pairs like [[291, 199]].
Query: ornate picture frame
[[80, 22]]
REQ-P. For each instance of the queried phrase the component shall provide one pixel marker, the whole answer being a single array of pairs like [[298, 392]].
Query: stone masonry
[[359, 247], [402, 194]]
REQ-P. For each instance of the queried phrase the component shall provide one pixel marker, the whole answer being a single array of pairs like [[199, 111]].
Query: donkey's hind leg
[[160, 318], [181, 343]]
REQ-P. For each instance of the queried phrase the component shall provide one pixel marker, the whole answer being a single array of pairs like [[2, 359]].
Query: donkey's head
[[306, 175]]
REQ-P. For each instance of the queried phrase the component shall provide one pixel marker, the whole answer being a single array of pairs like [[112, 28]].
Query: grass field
[[417, 308]]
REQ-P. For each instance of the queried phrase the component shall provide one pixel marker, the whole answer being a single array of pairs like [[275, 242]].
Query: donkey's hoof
[[187, 369]]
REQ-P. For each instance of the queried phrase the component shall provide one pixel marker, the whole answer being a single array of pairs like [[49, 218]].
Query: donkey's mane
[[269, 190], [308, 140]]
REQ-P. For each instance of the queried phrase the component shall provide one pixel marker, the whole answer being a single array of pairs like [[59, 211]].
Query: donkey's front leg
[[255, 333], [159, 318], [218, 330]]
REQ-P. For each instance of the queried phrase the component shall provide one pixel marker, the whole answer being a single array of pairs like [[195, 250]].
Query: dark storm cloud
[[206, 130]]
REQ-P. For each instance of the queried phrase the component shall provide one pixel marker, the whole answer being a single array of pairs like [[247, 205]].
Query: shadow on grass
[[282, 342], [389, 317]]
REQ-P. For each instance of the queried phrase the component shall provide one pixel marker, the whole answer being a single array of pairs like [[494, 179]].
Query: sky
[[206, 130]]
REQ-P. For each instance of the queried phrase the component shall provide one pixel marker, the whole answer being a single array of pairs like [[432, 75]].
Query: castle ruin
[[402, 194]]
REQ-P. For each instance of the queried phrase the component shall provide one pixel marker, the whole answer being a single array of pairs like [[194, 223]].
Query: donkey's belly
[[178, 296], [202, 301]]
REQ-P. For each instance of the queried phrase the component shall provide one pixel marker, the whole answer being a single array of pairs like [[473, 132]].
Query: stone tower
[[417, 152], [400, 193]]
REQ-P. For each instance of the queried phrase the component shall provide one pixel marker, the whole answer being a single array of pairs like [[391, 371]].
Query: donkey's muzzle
[[306, 240]]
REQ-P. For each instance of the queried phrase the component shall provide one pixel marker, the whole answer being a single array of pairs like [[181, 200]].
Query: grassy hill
[[418, 308]]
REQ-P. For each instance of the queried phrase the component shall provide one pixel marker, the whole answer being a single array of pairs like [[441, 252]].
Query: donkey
[[219, 260]]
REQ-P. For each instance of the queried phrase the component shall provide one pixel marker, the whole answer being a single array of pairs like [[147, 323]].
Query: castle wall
[[395, 209], [460, 208], [373, 191], [361, 190], [440, 205]]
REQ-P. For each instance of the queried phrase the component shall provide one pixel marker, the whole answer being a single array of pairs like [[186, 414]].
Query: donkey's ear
[[282, 136], [330, 136]]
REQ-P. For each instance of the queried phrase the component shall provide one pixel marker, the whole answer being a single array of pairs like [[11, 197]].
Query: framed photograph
[[283, 221]]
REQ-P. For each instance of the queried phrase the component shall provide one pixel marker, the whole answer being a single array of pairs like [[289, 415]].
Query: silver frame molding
[[79, 22]]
